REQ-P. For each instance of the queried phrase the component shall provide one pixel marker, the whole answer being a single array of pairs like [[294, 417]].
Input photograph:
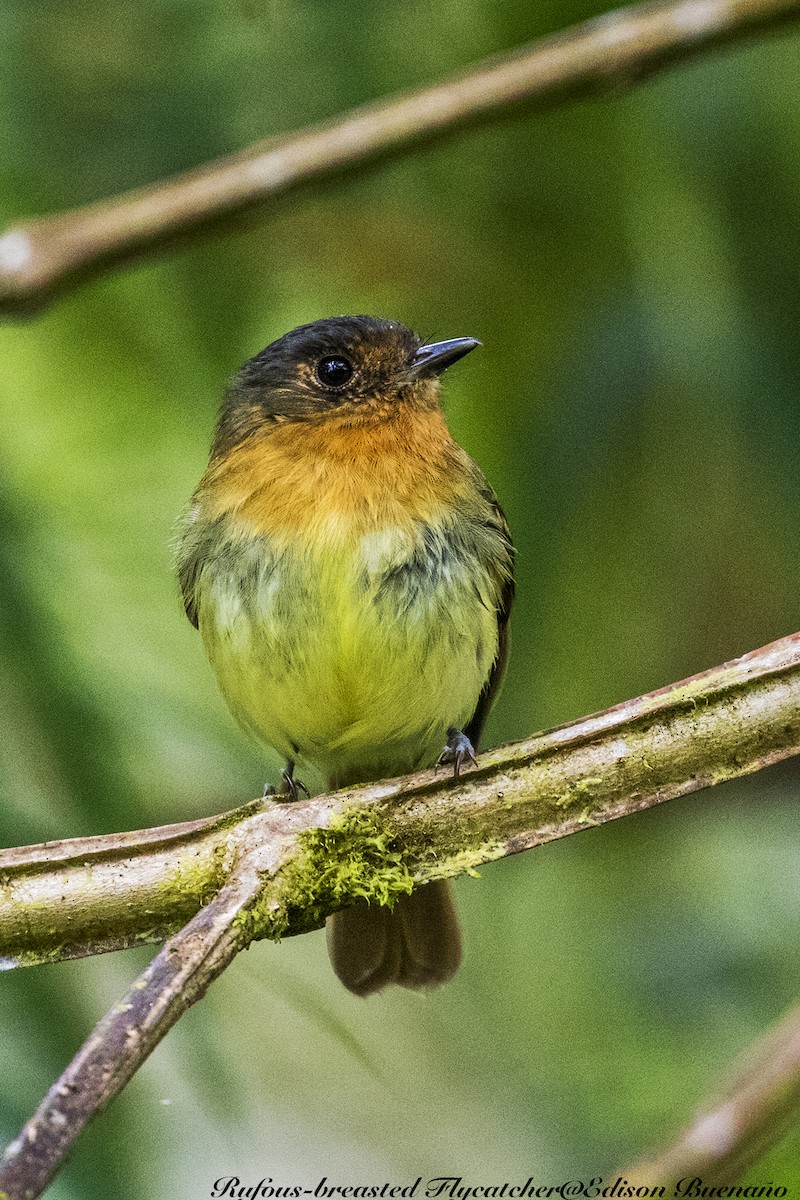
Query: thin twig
[[733, 1128], [40, 258], [67, 899]]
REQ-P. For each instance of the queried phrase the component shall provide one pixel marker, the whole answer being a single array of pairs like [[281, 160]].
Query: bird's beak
[[436, 357]]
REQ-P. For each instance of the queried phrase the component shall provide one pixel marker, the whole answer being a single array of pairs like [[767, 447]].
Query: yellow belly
[[355, 653]]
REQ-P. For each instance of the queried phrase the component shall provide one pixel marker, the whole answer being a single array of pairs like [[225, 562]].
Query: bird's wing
[[189, 548], [504, 570], [187, 576]]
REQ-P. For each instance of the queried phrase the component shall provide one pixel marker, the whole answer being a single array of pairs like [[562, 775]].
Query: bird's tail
[[416, 944]]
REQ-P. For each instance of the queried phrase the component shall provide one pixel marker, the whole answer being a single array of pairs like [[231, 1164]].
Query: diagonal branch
[[72, 898], [120, 1043], [734, 1127], [42, 257], [271, 869]]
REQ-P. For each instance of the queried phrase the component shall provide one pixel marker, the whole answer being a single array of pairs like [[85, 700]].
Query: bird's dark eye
[[334, 372]]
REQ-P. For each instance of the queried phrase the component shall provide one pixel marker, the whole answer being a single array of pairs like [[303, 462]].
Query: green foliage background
[[632, 268]]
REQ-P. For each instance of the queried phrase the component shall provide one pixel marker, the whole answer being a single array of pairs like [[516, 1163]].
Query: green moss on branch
[[353, 858]]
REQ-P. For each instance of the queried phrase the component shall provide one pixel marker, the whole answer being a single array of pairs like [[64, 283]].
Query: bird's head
[[354, 370]]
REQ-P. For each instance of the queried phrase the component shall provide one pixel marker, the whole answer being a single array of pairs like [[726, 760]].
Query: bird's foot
[[456, 750], [291, 787]]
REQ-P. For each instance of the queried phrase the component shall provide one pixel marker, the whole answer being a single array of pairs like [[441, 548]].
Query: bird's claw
[[291, 787], [456, 750]]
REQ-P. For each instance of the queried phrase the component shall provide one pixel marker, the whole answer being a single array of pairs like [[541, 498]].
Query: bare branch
[[67, 899], [40, 258], [733, 1129]]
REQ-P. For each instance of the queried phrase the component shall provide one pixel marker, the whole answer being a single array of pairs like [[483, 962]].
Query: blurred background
[[632, 268]]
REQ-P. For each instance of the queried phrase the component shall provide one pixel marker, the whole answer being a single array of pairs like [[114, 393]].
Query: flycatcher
[[351, 573]]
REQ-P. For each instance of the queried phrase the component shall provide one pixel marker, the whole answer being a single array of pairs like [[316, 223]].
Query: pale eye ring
[[334, 371]]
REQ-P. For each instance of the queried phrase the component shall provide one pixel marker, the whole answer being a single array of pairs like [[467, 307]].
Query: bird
[[351, 573]]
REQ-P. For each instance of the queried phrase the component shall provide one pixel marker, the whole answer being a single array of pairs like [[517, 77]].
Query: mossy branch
[[73, 898], [44, 257], [272, 869], [120, 1043]]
